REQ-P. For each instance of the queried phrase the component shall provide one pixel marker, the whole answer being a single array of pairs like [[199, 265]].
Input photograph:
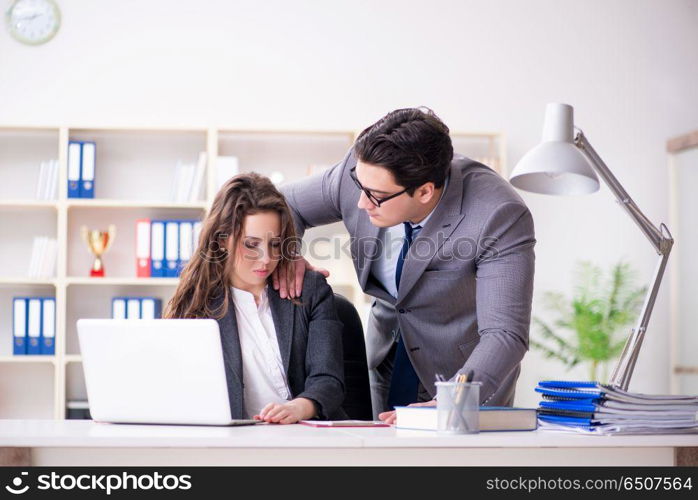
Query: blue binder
[[133, 308], [74, 168], [34, 326], [118, 308], [19, 326], [151, 308], [186, 244], [157, 249], [171, 248], [48, 326], [87, 169]]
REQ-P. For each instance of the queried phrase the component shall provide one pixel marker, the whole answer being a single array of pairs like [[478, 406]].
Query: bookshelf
[[134, 173]]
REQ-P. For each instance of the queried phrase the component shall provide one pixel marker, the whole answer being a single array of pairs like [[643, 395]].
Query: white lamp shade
[[556, 166]]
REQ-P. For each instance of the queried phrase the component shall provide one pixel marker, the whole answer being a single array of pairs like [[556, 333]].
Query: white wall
[[629, 67]]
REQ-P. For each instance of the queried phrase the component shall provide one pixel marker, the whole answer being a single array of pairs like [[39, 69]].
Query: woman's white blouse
[[262, 368]]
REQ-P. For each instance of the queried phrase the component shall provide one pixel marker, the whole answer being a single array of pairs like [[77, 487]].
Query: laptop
[[155, 371]]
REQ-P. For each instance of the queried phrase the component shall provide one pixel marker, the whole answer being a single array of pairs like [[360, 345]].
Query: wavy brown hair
[[206, 278]]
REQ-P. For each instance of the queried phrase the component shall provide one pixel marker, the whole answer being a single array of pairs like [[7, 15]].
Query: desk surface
[[86, 433]]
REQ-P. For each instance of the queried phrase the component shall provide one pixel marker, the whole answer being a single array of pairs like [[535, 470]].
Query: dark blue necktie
[[404, 380], [410, 232]]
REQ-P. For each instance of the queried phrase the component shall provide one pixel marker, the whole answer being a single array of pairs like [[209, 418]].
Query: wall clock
[[33, 21]]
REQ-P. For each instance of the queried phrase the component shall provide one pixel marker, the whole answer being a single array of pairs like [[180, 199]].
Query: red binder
[[143, 248]]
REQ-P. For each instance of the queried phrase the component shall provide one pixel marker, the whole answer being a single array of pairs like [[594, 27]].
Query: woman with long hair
[[283, 358]]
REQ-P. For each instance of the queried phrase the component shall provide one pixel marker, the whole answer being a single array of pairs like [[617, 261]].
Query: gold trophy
[[98, 242]]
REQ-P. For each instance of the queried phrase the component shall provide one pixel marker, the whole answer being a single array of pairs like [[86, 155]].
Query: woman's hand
[[389, 417], [287, 413]]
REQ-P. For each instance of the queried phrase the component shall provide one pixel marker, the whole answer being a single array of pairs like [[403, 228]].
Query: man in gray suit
[[443, 243]]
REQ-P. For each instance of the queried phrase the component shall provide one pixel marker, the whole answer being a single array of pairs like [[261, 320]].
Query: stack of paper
[[47, 187], [43, 259], [188, 181], [603, 409]]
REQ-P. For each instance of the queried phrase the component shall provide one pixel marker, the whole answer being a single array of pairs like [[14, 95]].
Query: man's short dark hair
[[412, 143]]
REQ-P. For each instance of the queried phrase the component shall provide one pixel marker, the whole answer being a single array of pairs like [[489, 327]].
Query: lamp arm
[[620, 377], [661, 240], [661, 243]]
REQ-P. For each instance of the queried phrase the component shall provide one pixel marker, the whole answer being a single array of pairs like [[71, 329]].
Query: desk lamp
[[564, 163]]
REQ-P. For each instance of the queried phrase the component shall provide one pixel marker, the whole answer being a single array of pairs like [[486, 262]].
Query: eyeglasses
[[376, 201]]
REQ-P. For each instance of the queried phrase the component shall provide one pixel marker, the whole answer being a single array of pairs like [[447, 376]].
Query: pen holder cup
[[457, 407]]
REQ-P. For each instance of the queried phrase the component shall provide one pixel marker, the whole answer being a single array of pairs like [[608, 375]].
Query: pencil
[[460, 380]]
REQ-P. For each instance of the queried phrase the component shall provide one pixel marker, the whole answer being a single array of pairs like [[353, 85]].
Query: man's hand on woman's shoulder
[[290, 285]]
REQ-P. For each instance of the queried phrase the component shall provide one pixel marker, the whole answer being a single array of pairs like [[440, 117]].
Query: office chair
[[357, 393]]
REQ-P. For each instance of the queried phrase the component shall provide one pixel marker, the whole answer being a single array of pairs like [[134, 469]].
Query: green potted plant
[[593, 326]]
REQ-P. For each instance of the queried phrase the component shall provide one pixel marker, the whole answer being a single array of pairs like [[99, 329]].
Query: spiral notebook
[[599, 408]]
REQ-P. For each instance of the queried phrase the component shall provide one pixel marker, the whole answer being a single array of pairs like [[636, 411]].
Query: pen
[[458, 400]]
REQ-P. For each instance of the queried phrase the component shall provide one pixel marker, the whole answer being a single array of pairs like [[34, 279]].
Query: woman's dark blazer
[[310, 341]]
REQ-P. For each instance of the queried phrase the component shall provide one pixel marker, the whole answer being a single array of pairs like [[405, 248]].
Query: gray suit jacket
[[310, 341], [465, 294]]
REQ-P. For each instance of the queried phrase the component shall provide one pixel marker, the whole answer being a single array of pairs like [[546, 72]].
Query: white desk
[[85, 443]]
